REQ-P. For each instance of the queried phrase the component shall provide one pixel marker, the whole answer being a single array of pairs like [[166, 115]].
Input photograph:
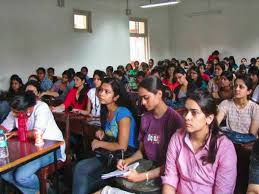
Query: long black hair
[[11, 92], [23, 101], [123, 99], [83, 91], [208, 107]]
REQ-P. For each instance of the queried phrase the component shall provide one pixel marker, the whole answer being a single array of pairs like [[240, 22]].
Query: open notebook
[[120, 173]]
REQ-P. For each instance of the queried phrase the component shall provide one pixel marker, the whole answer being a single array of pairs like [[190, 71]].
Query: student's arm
[[168, 189], [222, 111], [123, 138], [86, 112], [50, 93], [226, 172], [255, 122], [220, 117]]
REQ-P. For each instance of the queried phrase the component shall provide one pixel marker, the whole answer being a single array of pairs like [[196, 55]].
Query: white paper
[[120, 173]]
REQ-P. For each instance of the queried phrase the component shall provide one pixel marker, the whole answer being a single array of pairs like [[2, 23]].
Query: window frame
[[135, 19], [88, 15]]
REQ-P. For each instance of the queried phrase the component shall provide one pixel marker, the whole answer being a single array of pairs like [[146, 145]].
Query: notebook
[[121, 173]]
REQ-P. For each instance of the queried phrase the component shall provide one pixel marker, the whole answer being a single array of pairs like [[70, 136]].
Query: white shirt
[[41, 118], [94, 102]]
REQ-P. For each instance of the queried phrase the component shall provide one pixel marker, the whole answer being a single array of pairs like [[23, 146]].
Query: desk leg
[[56, 173]]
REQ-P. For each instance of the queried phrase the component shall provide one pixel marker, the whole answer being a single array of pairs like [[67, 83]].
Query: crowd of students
[[189, 152]]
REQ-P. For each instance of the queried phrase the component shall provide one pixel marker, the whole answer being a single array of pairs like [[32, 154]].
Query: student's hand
[[133, 176], [96, 144], [99, 134], [122, 164], [11, 134], [77, 111]]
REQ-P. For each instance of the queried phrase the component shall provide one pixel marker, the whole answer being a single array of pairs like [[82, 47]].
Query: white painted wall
[[234, 32], [37, 33]]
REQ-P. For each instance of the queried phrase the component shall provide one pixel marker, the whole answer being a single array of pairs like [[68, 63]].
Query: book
[[121, 173]]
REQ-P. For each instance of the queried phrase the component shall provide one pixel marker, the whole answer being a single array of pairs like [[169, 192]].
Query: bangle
[[147, 177]]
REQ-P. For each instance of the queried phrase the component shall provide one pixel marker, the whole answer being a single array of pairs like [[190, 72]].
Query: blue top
[[46, 84], [111, 127]]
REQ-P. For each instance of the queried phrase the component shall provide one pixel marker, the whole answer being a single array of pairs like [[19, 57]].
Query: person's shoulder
[[40, 105], [226, 102], [223, 142], [124, 110]]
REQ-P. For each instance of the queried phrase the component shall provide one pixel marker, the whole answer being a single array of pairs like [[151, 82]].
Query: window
[[82, 21], [138, 39]]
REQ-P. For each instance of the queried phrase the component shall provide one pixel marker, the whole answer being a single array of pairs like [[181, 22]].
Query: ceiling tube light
[[160, 4]]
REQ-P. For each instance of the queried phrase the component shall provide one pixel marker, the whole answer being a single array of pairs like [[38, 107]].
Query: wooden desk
[[23, 152]]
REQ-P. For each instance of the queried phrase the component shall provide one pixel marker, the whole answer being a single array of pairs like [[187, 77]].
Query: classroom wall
[[233, 32], [38, 33]]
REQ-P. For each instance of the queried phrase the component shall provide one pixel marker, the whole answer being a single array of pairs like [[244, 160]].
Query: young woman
[[76, 97], [118, 124], [241, 114], [156, 128], [226, 89], [59, 86], [34, 87], [169, 80], [199, 159], [196, 80], [94, 106], [181, 91], [204, 76], [38, 116], [16, 86], [214, 84]]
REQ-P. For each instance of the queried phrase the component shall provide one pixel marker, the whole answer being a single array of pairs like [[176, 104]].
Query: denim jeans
[[254, 169], [87, 176], [25, 178]]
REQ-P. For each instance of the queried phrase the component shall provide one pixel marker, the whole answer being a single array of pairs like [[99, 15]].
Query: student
[[38, 116], [16, 86], [241, 114], [34, 87], [169, 80], [59, 86], [196, 80], [214, 84], [204, 76], [77, 96], [118, 124], [94, 107], [156, 128], [45, 83], [51, 75], [226, 89], [254, 75], [70, 84], [199, 159], [181, 90], [109, 71], [151, 64]]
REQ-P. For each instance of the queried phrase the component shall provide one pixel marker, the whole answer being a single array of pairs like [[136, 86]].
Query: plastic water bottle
[[3, 145], [22, 127]]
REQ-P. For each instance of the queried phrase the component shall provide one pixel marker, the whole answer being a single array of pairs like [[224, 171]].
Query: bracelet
[[147, 177]]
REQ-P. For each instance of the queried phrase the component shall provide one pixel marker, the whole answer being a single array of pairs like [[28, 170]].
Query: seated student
[[45, 83], [38, 116], [241, 114], [33, 77], [76, 97], [4, 106], [117, 123], [226, 89], [156, 128], [16, 86], [253, 186], [170, 80], [214, 84], [88, 80], [59, 86], [70, 84], [199, 159], [109, 71], [196, 80], [254, 75], [34, 87], [204, 76], [51, 75], [94, 107], [241, 71], [181, 90], [255, 96]]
